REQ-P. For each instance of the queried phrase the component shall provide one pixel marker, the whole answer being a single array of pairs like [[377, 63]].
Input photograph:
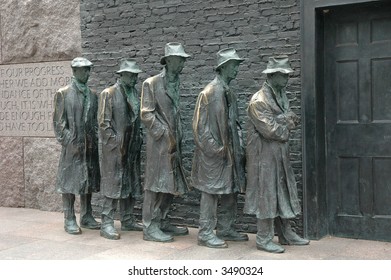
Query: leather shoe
[[157, 235], [71, 227], [131, 226], [270, 247], [232, 235], [293, 239], [109, 232], [214, 242], [87, 221], [174, 230]]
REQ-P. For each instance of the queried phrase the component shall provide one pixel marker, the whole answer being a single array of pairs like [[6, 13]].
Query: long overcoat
[[76, 128], [271, 187], [218, 162], [120, 141], [160, 114]]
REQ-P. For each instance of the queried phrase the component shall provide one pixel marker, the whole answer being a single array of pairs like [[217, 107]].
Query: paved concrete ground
[[27, 234]]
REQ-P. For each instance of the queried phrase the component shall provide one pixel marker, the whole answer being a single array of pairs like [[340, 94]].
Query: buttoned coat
[[271, 187], [218, 162], [75, 127], [120, 141], [160, 114]]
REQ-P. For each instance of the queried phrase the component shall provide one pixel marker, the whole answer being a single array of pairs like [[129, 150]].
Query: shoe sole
[[294, 244], [73, 232], [204, 243], [232, 239], [271, 251], [176, 233], [110, 236], [90, 227], [131, 229], [146, 238]]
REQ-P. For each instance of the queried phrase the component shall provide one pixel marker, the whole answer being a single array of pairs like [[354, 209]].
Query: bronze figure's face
[[231, 68], [279, 80], [175, 64], [129, 78], [81, 74]]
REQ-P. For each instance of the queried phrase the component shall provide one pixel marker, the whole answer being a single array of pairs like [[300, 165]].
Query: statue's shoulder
[[214, 91], [110, 90], [154, 80], [65, 89]]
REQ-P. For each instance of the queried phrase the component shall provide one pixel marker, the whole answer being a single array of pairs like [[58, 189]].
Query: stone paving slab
[[29, 234]]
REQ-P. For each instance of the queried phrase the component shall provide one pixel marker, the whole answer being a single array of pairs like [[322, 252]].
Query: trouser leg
[[86, 218], [208, 217], [265, 231], [208, 221], [107, 229], [151, 208], [227, 217], [128, 221], [286, 234], [265, 234], [70, 224], [165, 224], [126, 209], [152, 217]]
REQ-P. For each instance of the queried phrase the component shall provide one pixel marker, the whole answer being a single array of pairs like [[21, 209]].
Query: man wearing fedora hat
[[271, 192], [164, 174], [120, 142], [218, 163], [75, 126]]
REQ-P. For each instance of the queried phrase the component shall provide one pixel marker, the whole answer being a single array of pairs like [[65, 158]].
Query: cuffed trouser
[[209, 218], [85, 205], [110, 206], [268, 227], [155, 207], [68, 201], [265, 231]]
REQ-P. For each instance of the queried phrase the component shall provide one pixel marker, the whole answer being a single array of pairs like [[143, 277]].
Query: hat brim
[[239, 60], [130, 71], [163, 59], [80, 66], [275, 70]]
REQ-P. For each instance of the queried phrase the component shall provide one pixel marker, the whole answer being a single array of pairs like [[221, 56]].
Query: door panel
[[358, 120]]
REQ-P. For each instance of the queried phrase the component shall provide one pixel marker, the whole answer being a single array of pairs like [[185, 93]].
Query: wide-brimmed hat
[[81, 62], [129, 65], [225, 55], [278, 64], [173, 49]]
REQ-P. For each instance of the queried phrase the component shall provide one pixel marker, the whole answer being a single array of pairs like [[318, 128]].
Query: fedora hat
[[278, 64], [81, 62], [225, 55], [173, 49], [129, 65]]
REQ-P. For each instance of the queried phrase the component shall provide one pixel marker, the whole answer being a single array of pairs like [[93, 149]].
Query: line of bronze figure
[[101, 142]]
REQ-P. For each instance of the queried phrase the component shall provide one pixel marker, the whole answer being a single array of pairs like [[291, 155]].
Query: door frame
[[315, 208]]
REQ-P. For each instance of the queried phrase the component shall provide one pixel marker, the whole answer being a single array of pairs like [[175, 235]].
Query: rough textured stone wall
[[34, 31], [114, 29]]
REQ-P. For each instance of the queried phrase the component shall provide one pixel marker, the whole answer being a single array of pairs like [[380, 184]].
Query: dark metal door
[[357, 96]]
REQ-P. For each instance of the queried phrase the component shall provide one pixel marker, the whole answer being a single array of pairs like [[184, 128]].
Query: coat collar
[[281, 101], [129, 94], [170, 94], [83, 88]]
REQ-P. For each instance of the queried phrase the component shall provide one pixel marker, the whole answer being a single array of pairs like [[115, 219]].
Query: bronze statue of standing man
[[120, 142], [271, 192], [218, 163], [76, 128], [164, 175]]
